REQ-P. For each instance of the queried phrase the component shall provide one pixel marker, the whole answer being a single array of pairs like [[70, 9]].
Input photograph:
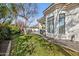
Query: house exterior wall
[[71, 24]]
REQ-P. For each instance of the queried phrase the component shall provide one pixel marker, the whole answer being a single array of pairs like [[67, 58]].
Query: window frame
[[61, 16], [50, 22]]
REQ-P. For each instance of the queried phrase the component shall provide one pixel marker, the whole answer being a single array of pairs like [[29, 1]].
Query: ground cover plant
[[35, 45]]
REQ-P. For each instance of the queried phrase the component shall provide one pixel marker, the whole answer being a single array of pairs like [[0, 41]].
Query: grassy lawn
[[35, 45]]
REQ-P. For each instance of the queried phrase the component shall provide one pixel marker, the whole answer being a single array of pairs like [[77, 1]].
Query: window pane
[[50, 24], [62, 23]]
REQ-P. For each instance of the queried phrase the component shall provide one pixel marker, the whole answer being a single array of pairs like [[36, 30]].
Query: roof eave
[[49, 7]]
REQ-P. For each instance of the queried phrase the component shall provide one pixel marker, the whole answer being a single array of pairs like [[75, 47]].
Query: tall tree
[[4, 11], [12, 10]]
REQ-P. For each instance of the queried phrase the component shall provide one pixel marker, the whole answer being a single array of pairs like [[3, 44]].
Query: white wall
[[71, 20]]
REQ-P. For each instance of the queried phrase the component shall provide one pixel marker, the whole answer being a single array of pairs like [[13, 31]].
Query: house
[[62, 21]]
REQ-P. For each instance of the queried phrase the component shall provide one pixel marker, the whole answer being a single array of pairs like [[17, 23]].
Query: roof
[[52, 4], [65, 6]]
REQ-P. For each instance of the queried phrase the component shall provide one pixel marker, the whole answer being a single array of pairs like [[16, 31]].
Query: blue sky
[[33, 20], [41, 8]]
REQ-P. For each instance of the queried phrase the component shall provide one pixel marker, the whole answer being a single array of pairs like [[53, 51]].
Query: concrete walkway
[[68, 44], [65, 43], [5, 48]]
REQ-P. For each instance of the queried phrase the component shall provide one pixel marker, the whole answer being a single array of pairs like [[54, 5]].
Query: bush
[[24, 45], [14, 29], [5, 32]]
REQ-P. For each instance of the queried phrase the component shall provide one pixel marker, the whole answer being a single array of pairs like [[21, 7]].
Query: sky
[[33, 20], [41, 8]]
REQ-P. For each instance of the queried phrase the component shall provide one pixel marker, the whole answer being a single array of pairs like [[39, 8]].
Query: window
[[50, 24], [62, 23]]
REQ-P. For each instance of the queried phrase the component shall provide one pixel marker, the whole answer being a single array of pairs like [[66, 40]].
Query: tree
[[42, 22], [28, 10], [12, 10], [4, 11]]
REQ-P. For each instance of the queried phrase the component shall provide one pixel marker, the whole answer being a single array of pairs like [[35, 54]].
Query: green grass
[[35, 45]]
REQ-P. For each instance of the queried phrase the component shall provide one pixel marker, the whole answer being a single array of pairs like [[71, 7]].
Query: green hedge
[[14, 29], [5, 32]]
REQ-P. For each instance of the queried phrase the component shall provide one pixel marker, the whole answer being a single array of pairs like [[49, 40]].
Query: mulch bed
[[3, 47]]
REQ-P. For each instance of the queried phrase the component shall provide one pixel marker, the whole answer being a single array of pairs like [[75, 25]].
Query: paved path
[[66, 43], [69, 44], [3, 47]]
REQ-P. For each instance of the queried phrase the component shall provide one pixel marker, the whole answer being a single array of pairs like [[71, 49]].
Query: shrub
[[14, 29], [24, 45], [5, 32]]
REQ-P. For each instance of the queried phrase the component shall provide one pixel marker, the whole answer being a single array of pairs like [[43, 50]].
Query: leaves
[[4, 11], [34, 45], [13, 10], [5, 32]]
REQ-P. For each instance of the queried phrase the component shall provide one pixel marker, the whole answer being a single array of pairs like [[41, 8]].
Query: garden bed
[[35, 45]]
